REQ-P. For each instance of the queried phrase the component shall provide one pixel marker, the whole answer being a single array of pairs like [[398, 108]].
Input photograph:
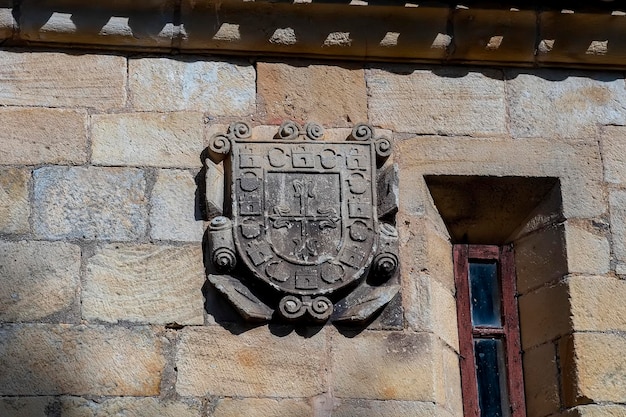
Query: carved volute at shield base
[[304, 240]]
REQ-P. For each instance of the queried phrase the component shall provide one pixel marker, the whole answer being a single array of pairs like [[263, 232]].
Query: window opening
[[489, 338]]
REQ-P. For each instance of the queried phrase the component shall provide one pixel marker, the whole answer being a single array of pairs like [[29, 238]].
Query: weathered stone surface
[[165, 84], [262, 407], [89, 203], [451, 396], [540, 258], [587, 253], [544, 314], [330, 95], [576, 163], [592, 365], [608, 410], [127, 407], [617, 208], [62, 80], [374, 408], [173, 210], [39, 279], [42, 136], [430, 307], [614, 154], [148, 139], [79, 360], [145, 283], [399, 366], [597, 303], [563, 104], [214, 191], [7, 22], [25, 406], [14, 203], [423, 249], [447, 101], [541, 380], [213, 361]]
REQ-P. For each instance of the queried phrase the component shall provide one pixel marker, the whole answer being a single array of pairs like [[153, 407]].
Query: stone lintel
[[390, 32]]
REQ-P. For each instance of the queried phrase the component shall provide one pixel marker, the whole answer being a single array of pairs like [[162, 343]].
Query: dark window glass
[[489, 338], [485, 294], [491, 378]]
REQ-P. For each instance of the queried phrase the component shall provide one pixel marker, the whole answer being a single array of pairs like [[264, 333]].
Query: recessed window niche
[[525, 212]]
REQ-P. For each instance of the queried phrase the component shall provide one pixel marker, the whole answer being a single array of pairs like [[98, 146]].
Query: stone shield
[[303, 213]]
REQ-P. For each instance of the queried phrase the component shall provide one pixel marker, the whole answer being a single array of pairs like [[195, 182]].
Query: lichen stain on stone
[[248, 357], [584, 98]]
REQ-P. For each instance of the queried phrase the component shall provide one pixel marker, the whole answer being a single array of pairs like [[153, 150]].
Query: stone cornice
[[354, 31]]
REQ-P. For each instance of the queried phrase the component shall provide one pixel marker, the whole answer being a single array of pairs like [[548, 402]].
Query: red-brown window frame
[[509, 332]]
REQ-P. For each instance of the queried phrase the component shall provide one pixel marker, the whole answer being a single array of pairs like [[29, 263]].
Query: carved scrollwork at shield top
[[304, 240]]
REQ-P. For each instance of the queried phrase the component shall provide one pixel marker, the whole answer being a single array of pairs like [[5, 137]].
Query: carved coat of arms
[[301, 238]]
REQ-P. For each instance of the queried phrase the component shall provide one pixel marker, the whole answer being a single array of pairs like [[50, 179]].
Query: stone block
[[174, 214], [25, 406], [62, 80], [617, 208], [597, 303], [540, 258], [451, 101], [587, 253], [128, 407], [377, 408], [170, 140], [145, 284], [430, 307], [385, 366], [90, 203], [262, 407], [329, 95], [563, 104], [576, 163], [14, 200], [541, 380], [40, 280], [79, 360], [42, 136], [607, 410], [192, 84], [544, 314], [214, 361], [613, 146], [593, 368], [452, 396], [423, 249]]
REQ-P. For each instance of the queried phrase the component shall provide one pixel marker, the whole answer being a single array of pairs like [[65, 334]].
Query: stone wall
[[103, 206]]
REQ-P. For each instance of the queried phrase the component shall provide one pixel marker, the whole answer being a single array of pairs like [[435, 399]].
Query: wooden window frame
[[509, 332]]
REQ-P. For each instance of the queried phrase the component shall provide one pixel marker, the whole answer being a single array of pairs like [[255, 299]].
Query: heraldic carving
[[303, 239]]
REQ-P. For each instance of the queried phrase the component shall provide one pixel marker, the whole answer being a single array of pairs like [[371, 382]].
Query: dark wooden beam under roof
[[588, 34]]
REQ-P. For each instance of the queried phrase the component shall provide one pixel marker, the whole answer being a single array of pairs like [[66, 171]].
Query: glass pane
[[491, 376], [485, 293]]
